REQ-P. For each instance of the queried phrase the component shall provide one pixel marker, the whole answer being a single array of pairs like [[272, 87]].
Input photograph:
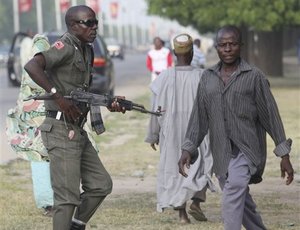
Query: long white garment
[[175, 91]]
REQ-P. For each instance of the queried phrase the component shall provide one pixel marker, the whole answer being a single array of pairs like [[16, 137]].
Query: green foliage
[[206, 15], [6, 21], [132, 202], [27, 20]]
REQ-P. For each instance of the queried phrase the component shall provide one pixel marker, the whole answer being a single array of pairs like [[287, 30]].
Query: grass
[[124, 152]]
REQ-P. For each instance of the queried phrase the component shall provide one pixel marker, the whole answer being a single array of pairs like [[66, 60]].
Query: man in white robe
[[174, 92]]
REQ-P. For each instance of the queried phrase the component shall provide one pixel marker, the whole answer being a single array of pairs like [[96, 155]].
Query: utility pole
[[126, 28], [133, 27], [39, 16], [58, 16], [16, 16], [101, 23]]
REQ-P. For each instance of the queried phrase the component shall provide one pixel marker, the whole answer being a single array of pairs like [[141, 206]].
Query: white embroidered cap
[[183, 43]]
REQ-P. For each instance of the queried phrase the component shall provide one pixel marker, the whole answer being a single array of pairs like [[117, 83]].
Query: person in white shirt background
[[199, 59], [159, 58]]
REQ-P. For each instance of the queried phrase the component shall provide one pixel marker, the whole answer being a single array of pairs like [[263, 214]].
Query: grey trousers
[[73, 162], [238, 207], [201, 195]]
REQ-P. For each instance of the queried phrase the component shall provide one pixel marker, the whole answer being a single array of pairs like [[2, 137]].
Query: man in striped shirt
[[235, 103]]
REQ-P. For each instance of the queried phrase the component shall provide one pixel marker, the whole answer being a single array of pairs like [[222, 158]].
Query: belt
[[58, 115]]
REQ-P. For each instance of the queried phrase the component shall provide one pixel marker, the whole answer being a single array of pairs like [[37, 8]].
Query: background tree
[[6, 21], [28, 20], [261, 21]]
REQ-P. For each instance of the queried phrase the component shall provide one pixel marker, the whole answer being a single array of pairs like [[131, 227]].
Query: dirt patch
[[267, 186], [277, 186], [124, 185]]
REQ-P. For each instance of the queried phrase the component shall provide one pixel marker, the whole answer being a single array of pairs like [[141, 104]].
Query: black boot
[[77, 226]]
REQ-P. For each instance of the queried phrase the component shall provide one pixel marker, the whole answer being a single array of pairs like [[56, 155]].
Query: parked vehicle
[[14, 68], [115, 48], [103, 81]]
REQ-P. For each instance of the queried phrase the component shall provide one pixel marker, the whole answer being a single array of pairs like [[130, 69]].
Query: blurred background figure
[[199, 59], [22, 127], [158, 58], [4, 49], [26, 47]]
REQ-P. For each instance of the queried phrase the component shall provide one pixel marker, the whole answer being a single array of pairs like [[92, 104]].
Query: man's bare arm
[[35, 68]]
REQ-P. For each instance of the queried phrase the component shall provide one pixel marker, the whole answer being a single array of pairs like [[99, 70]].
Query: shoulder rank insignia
[[59, 45]]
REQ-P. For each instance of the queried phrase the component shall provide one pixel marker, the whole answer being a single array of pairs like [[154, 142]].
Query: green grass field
[[124, 152]]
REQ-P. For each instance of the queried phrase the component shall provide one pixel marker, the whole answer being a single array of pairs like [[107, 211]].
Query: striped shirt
[[239, 114]]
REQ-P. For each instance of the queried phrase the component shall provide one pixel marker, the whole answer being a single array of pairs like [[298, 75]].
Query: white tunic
[[175, 91]]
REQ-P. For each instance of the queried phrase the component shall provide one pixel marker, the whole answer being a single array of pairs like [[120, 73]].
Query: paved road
[[132, 79], [8, 99]]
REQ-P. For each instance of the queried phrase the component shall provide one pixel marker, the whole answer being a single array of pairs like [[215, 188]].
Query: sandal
[[197, 214]]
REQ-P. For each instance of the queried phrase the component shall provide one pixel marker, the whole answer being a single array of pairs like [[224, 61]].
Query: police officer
[[73, 159]]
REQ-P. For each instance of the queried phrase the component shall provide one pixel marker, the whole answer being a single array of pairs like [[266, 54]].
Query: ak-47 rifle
[[99, 100], [95, 100]]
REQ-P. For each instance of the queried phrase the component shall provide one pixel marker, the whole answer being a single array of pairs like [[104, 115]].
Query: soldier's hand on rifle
[[71, 111], [115, 105]]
